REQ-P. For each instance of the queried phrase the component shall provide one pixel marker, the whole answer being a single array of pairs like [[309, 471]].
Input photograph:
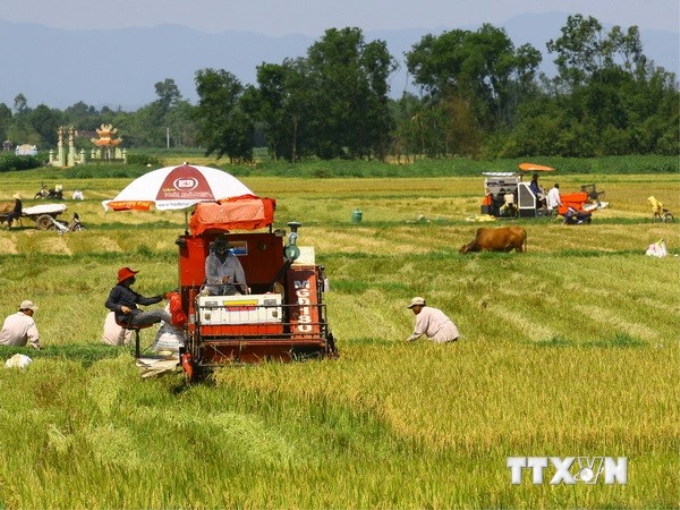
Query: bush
[[10, 162], [144, 160]]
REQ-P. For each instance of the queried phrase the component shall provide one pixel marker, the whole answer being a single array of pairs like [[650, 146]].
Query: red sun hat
[[125, 273]]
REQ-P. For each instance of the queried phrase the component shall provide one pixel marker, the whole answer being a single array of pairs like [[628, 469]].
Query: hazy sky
[[313, 17]]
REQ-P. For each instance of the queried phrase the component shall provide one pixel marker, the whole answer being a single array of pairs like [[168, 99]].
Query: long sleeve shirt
[[215, 269], [536, 189], [124, 296], [553, 198], [434, 324], [18, 330]]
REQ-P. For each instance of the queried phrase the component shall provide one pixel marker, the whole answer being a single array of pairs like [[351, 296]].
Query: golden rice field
[[568, 350]]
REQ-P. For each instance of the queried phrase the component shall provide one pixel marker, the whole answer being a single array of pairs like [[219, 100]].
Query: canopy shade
[[533, 167], [172, 188], [246, 212]]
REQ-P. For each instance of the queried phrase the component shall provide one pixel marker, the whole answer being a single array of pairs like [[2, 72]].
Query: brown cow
[[498, 239]]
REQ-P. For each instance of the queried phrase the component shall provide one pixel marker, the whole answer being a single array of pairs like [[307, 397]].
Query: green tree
[[608, 89], [283, 104], [45, 122], [5, 121], [223, 126], [160, 122], [21, 130], [82, 116], [477, 79], [182, 127], [348, 79], [168, 94], [20, 104]]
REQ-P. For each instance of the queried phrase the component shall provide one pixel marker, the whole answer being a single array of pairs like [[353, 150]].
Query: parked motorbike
[[63, 227], [55, 193], [76, 224]]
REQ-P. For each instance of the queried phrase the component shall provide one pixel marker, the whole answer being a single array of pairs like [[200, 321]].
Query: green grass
[[569, 349]]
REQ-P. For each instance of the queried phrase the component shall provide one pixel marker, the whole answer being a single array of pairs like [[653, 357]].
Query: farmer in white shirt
[[432, 322], [224, 274], [20, 329], [553, 199]]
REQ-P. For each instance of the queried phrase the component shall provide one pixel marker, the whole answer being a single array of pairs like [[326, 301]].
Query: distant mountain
[[119, 68]]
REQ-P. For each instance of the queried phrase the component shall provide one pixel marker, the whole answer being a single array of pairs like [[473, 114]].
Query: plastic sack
[[168, 337], [657, 249], [18, 361], [113, 334]]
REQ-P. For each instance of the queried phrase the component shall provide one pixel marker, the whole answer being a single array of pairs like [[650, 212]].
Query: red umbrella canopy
[[172, 188]]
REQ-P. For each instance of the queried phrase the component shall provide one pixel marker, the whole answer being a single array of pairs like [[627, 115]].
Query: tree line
[[478, 96]]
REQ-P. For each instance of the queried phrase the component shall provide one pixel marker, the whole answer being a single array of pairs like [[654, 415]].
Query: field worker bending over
[[224, 275], [432, 322], [20, 329], [123, 302]]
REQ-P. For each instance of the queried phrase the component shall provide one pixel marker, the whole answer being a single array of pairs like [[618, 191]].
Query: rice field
[[568, 350]]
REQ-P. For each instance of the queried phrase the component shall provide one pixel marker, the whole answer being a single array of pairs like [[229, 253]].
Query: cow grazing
[[498, 239]]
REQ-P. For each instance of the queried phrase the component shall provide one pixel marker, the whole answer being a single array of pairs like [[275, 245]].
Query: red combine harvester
[[282, 318]]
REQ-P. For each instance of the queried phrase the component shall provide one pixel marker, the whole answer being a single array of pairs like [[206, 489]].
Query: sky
[[313, 17]]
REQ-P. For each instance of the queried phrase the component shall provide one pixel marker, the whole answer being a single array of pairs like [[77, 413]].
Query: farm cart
[[282, 317], [44, 215]]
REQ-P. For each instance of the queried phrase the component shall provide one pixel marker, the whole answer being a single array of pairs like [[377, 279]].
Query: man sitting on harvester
[[224, 275]]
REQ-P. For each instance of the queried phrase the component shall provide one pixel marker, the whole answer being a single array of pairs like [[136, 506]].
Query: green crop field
[[568, 350]]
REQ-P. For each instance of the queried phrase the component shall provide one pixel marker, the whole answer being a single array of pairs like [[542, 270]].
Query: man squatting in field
[[432, 322], [20, 328]]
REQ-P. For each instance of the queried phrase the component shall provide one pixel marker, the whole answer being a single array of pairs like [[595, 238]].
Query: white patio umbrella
[[177, 187]]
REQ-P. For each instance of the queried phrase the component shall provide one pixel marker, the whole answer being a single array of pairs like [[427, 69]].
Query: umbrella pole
[[186, 222]]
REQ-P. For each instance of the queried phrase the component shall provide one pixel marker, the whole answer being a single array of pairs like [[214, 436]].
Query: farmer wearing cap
[[123, 302], [432, 322], [16, 212], [224, 275], [20, 329]]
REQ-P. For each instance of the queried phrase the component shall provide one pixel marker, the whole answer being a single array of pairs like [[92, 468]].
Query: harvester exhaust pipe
[[292, 252]]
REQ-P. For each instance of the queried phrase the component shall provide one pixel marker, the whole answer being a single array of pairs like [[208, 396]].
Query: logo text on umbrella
[[185, 182]]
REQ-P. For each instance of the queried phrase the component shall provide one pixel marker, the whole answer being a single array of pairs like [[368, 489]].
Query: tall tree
[[5, 121], [607, 85], [82, 116], [168, 94], [283, 104], [348, 78], [45, 122], [477, 77], [223, 127]]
